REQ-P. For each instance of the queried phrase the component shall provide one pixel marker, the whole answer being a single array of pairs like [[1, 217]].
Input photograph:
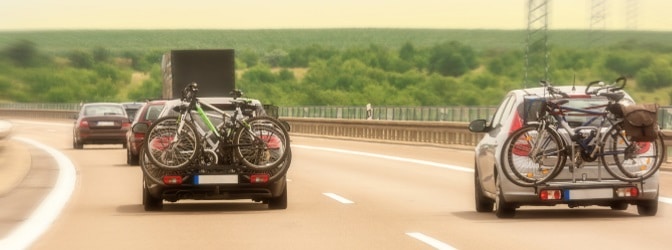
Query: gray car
[[589, 185]]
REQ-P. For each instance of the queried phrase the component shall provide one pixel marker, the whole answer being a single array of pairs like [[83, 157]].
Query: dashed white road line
[[430, 241], [338, 198], [47, 212]]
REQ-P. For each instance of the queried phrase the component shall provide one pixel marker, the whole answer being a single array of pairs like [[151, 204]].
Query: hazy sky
[[278, 14]]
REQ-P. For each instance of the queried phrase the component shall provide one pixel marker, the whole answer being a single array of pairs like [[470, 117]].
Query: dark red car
[[100, 123], [149, 112]]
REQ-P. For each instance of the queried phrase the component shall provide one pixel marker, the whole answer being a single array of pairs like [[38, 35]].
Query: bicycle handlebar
[[613, 87]]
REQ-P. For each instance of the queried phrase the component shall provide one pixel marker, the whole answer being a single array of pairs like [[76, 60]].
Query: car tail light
[[172, 180], [139, 136], [627, 192], [272, 141], [517, 123], [643, 147], [83, 124], [259, 178], [550, 194], [126, 125]]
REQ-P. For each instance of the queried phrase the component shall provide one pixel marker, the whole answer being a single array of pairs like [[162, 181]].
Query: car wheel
[[76, 144], [279, 202], [483, 204], [503, 209], [148, 201], [131, 159], [647, 207]]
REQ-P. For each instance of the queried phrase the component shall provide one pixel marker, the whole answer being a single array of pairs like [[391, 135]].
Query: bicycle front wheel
[[635, 160], [169, 145], [533, 155], [263, 144]]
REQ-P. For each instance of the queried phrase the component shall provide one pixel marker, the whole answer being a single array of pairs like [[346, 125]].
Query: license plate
[[216, 179], [585, 194], [105, 124]]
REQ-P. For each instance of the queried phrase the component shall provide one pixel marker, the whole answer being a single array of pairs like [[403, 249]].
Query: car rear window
[[103, 110], [153, 112], [577, 118]]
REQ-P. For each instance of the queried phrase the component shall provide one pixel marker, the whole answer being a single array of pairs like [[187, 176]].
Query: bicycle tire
[[154, 172], [635, 161], [263, 144], [166, 153], [531, 170]]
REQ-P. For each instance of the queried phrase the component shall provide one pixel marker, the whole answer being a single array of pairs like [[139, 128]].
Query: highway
[[342, 195]]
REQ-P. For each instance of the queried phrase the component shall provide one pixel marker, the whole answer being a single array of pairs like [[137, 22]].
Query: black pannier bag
[[534, 108], [641, 122]]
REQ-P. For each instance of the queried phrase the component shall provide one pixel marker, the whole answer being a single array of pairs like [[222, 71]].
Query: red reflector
[[172, 180], [259, 178]]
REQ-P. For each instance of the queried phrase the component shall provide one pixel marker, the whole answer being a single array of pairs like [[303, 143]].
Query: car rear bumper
[[216, 192], [581, 193], [101, 137]]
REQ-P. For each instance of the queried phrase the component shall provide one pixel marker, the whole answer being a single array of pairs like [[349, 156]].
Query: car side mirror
[[140, 128], [478, 126]]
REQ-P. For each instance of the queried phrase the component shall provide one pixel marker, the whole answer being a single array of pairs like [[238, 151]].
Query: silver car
[[586, 186]]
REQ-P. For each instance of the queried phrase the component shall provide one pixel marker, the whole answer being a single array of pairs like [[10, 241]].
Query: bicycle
[[536, 153], [259, 143]]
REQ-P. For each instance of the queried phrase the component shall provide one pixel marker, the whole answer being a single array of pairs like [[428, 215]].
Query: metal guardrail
[[383, 113], [421, 132]]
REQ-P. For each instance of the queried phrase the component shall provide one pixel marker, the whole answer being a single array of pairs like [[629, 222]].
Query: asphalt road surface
[[342, 195]]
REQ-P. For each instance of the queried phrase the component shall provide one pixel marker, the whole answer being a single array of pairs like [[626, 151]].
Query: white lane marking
[[45, 214], [665, 200], [338, 198], [431, 241], [394, 158]]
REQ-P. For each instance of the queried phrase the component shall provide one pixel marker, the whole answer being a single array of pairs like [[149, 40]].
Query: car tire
[[76, 144], [503, 209], [148, 201], [131, 159], [279, 202], [648, 207], [483, 204]]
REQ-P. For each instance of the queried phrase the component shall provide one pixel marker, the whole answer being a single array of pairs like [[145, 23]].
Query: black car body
[[100, 123], [212, 182]]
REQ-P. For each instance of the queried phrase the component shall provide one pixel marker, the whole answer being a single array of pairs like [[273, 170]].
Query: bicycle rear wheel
[[169, 148], [263, 145], [533, 155], [635, 160]]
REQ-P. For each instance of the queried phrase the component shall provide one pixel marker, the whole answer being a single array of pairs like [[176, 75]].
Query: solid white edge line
[[428, 163], [47, 212], [665, 200], [338, 198], [431, 241]]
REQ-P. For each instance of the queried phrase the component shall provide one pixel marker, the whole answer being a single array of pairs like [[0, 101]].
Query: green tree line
[[448, 73]]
